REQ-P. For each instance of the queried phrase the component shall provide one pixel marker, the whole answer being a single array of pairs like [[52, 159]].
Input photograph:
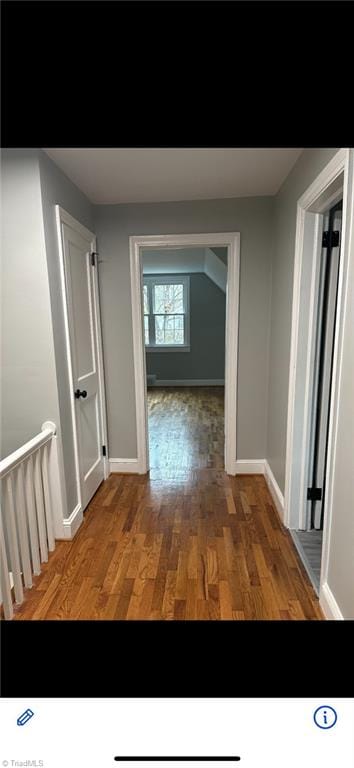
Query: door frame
[[63, 217], [335, 181], [231, 240]]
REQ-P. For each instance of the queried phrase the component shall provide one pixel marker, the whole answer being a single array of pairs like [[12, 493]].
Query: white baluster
[[4, 576], [32, 519], [47, 498], [10, 522], [22, 526], [40, 507], [31, 515]]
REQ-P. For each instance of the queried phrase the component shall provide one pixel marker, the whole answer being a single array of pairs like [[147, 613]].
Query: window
[[166, 313]]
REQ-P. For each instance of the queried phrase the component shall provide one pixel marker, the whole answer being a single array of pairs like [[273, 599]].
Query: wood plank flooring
[[184, 542], [186, 428]]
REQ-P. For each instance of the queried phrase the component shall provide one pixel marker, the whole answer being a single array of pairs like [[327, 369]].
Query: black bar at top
[[223, 758]]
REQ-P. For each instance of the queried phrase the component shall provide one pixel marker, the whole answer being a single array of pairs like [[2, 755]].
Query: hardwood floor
[[184, 542], [186, 429]]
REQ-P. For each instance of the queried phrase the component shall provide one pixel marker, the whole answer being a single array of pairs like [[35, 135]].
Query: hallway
[[186, 542]]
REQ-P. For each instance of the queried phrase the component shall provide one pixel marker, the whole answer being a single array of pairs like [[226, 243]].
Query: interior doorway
[[184, 302], [319, 293], [309, 541], [149, 321]]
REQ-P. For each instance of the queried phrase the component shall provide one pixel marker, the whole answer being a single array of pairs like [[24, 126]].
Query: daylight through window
[[166, 303]]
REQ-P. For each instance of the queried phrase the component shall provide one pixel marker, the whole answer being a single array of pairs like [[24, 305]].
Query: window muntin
[[146, 314]]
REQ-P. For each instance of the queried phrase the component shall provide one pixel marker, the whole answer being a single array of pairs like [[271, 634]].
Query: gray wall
[[35, 383], [221, 253], [29, 389], [308, 166], [206, 359], [58, 189], [252, 217]]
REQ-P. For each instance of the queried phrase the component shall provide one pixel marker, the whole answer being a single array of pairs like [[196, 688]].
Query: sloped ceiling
[[211, 261]]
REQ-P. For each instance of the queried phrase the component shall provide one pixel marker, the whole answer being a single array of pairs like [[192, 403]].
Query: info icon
[[325, 717]]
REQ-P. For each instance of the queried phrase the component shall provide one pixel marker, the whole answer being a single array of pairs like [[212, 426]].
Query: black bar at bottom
[[223, 758]]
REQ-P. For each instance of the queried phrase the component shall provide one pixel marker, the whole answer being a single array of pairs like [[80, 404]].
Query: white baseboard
[[249, 467], [261, 467], [72, 524], [329, 604], [125, 466], [188, 383], [275, 491]]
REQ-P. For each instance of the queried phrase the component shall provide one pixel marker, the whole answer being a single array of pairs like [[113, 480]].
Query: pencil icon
[[25, 717]]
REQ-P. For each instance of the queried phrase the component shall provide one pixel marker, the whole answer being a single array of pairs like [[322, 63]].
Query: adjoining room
[[184, 323]]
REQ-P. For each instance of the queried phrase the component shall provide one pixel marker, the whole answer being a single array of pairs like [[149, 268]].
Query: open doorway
[[310, 540], [177, 330], [184, 302], [319, 295]]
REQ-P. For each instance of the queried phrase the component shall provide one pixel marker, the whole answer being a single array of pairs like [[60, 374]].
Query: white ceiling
[[161, 175]]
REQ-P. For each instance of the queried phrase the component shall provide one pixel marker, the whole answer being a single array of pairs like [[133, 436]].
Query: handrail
[[30, 477], [7, 465]]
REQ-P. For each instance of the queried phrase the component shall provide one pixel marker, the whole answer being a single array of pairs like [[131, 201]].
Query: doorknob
[[78, 393]]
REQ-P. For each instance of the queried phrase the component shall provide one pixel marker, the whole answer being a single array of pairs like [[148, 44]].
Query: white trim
[[329, 604], [100, 368], [129, 466], [275, 491], [232, 241], [347, 245], [249, 467], [66, 218], [72, 524], [313, 194], [60, 216], [315, 200], [305, 203], [310, 358], [231, 350], [188, 383]]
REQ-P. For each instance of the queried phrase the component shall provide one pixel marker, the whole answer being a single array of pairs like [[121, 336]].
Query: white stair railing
[[29, 479]]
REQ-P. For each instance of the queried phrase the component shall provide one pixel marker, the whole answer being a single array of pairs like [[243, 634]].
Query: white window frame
[[150, 281]]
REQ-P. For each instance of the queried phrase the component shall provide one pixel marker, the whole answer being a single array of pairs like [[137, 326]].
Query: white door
[[83, 320]]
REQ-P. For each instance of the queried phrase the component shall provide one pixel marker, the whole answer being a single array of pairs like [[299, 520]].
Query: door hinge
[[93, 258], [330, 239], [104, 450], [314, 494]]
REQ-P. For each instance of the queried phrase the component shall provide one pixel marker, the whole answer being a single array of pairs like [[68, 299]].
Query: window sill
[[179, 348]]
